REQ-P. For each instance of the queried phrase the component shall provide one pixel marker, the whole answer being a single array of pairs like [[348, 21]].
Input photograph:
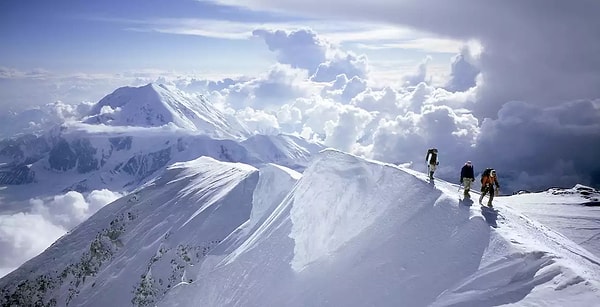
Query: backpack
[[486, 173], [431, 156]]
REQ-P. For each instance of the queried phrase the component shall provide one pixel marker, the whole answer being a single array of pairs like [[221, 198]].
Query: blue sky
[[379, 78], [112, 36], [183, 36]]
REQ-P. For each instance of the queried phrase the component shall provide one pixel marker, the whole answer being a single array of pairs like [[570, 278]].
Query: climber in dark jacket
[[467, 176], [432, 161]]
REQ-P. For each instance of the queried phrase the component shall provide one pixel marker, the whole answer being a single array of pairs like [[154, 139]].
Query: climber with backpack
[[467, 176], [489, 179], [432, 161]]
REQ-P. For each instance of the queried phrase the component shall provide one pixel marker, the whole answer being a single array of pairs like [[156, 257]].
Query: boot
[[480, 200], [430, 175]]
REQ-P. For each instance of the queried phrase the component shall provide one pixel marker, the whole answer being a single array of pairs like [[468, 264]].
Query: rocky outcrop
[[20, 174], [143, 165]]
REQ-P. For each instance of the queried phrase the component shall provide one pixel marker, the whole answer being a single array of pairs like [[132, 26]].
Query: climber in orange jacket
[[489, 179]]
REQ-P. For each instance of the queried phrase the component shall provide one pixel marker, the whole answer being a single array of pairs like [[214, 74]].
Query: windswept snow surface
[[573, 212], [283, 149], [354, 232]]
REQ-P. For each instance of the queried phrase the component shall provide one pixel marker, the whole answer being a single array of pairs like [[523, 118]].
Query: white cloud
[[23, 235], [348, 64], [41, 118], [12, 73], [316, 112], [323, 60], [282, 84], [258, 121], [344, 132], [420, 75], [368, 35], [300, 49], [72, 208], [464, 71], [385, 101], [344, 89], [531, 58], [429, 44], [65, 210], [208, 28], [100, 198], [406, 137]]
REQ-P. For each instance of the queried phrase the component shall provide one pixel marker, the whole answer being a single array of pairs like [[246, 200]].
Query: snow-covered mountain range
[[215, 216], [346, 232], [59, 173], [131, 134]]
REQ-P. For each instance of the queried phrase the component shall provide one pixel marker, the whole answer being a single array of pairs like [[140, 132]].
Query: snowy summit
[[346, 232], [156, 105]]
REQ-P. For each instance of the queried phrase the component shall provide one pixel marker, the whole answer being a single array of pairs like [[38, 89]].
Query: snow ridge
[[158, 232], [354, 232], [347, 232]]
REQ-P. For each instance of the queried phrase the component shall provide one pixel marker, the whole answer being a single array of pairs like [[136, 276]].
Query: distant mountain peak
[[155, 105]]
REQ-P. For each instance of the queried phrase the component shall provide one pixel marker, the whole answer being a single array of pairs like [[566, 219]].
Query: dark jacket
[[431, 157], [467, 172]]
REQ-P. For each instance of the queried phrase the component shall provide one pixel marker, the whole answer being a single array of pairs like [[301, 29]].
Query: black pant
[[488, 188]]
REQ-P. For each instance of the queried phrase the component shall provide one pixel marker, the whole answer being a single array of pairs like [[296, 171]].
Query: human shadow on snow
[[490, 215]]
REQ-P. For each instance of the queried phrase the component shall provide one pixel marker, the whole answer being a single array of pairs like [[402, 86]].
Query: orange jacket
[[490, 180]]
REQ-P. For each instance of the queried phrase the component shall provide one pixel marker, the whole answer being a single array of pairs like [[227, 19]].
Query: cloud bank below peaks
[[24, 235]]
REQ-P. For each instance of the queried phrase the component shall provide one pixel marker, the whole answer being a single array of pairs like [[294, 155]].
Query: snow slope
[[361, 233], [573, 212], [283, 149], [140, 246], [348, 232], [155, 105]]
